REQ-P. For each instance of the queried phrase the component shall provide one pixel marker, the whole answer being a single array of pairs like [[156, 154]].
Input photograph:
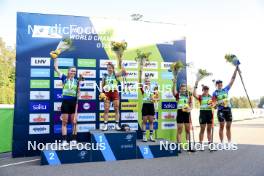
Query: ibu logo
[[169, 105]]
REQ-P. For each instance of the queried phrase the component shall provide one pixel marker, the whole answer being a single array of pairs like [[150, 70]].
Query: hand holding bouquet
[[176, 67], [202, 73], [231, 58], [118, 48], [142, 58], [63, 45], [102, 96]]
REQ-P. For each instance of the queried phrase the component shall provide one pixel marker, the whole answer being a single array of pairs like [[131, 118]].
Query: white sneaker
[[151, 138], [117, 127], [64, 143], [73, 142], [144, 138], [105, 128]]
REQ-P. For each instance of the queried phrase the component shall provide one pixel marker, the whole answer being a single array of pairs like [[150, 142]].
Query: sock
[[74, 136], [150, 132], [117, 122], [144, 132], [64, 137], [105, 122]]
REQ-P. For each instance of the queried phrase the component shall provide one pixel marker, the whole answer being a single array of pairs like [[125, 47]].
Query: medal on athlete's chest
[[71, 83]]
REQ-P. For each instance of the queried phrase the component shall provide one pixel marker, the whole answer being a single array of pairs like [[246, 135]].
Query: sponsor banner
[[169, 115], [39, 106], [133, 126], [150, 74], [86, 106], [86, 117], [132, 74], [111, 116], [63, 71], [40, 72], [82, 128], [130, 64], [39, 95], [168, 125], [58, 84], [57, 94], [86, 62], [166, 75], [39, 129], [151, 65], [103, 63], [169, 105], [129, 106], [167, 96], [87, 95], [40, 31], [129, 95], [165, 65], [35, 84], [87, 73], [110, 125], [65, 62], [39, 118], [102, 73], [102, 106], [129, 116], [57, 129], [40, 61], [87, 84], [57, 106]]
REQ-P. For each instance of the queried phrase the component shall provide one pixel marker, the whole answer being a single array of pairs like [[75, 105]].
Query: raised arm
[[174, 89], [122, 72], [233, 77], [56, 67], [195, 90]]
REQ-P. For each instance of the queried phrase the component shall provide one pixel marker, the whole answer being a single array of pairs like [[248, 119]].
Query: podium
[[106, 146]]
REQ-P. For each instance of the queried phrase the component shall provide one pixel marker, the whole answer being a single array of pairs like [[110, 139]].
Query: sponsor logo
[[81, 128], [102, 106], [39, 129], [129, 95], [38, 118], [63, 71], [43, 106], [103, 63], [102, 73], [58, 94], [111, 116], [168, 125], [168, 115], [130, 64], [58, 84], [165, 65], [167, 95], [65, 62], [86, 62], [166, 75], [169, 105], [57, 129], [57, 106], [40, 61], [85, 106], [87, 84], [150, 74], [129, 116], [39, 95], [129, 106], [151, 65], [34, 84], [87, 95], [129, 137], [87, 73], [132, 75], [40, 72], [39, 31], [110, 125], [133, 126], [86, 117], [83, 154]]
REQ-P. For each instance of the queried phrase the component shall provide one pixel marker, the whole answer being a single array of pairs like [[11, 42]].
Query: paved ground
[[248, 160]]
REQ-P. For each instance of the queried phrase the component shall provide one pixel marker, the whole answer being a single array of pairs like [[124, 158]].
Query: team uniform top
[[183, 100], [204, 102], [147, 94], [111, 81], [221, 96], [69, 90]]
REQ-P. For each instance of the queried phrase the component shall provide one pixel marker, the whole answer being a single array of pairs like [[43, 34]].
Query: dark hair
[[218, 82], [111, 64], [205, 87], [71, 67]]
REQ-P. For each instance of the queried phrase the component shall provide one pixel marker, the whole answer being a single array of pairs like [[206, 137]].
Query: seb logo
[[103, 63], [87, 73], [165, 65], [87, 95], [130, 64], [151, 65], [39, 95], [39, 129], [129, 116], [150, 74], [169, 105], [168, 115], [38, 118], [40, 61], [43, 106]]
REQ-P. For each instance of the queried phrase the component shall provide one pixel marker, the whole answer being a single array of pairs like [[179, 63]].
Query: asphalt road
[[248, 160]]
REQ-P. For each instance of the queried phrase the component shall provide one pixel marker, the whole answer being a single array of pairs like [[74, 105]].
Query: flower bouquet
[[64, 44], [102, 96], [176, 67], [202, 73], [118, 48], [231, 58], [142, 58]]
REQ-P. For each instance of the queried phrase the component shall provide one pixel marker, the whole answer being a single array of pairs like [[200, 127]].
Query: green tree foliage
[[7, 73], [242, 102]]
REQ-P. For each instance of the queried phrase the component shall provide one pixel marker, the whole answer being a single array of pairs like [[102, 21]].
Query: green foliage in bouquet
[[176, 67], [202, 73], [118, 46], [142, 57], [231, 58]]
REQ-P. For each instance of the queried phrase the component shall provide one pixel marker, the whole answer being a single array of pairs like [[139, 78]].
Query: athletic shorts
[[206, 117], [68, 106], [224, 114], [148, 109], [183, 117], [112, 95]]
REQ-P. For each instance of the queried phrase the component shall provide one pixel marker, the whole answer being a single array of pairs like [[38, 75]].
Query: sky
[[212, 28]]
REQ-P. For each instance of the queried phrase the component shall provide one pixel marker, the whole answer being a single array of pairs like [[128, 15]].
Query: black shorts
[[225, 114], [68, 106], [183, 117], [206, 117], [148, 109]]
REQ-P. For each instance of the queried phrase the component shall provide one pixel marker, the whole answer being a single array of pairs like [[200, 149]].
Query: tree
[[242, 102]]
